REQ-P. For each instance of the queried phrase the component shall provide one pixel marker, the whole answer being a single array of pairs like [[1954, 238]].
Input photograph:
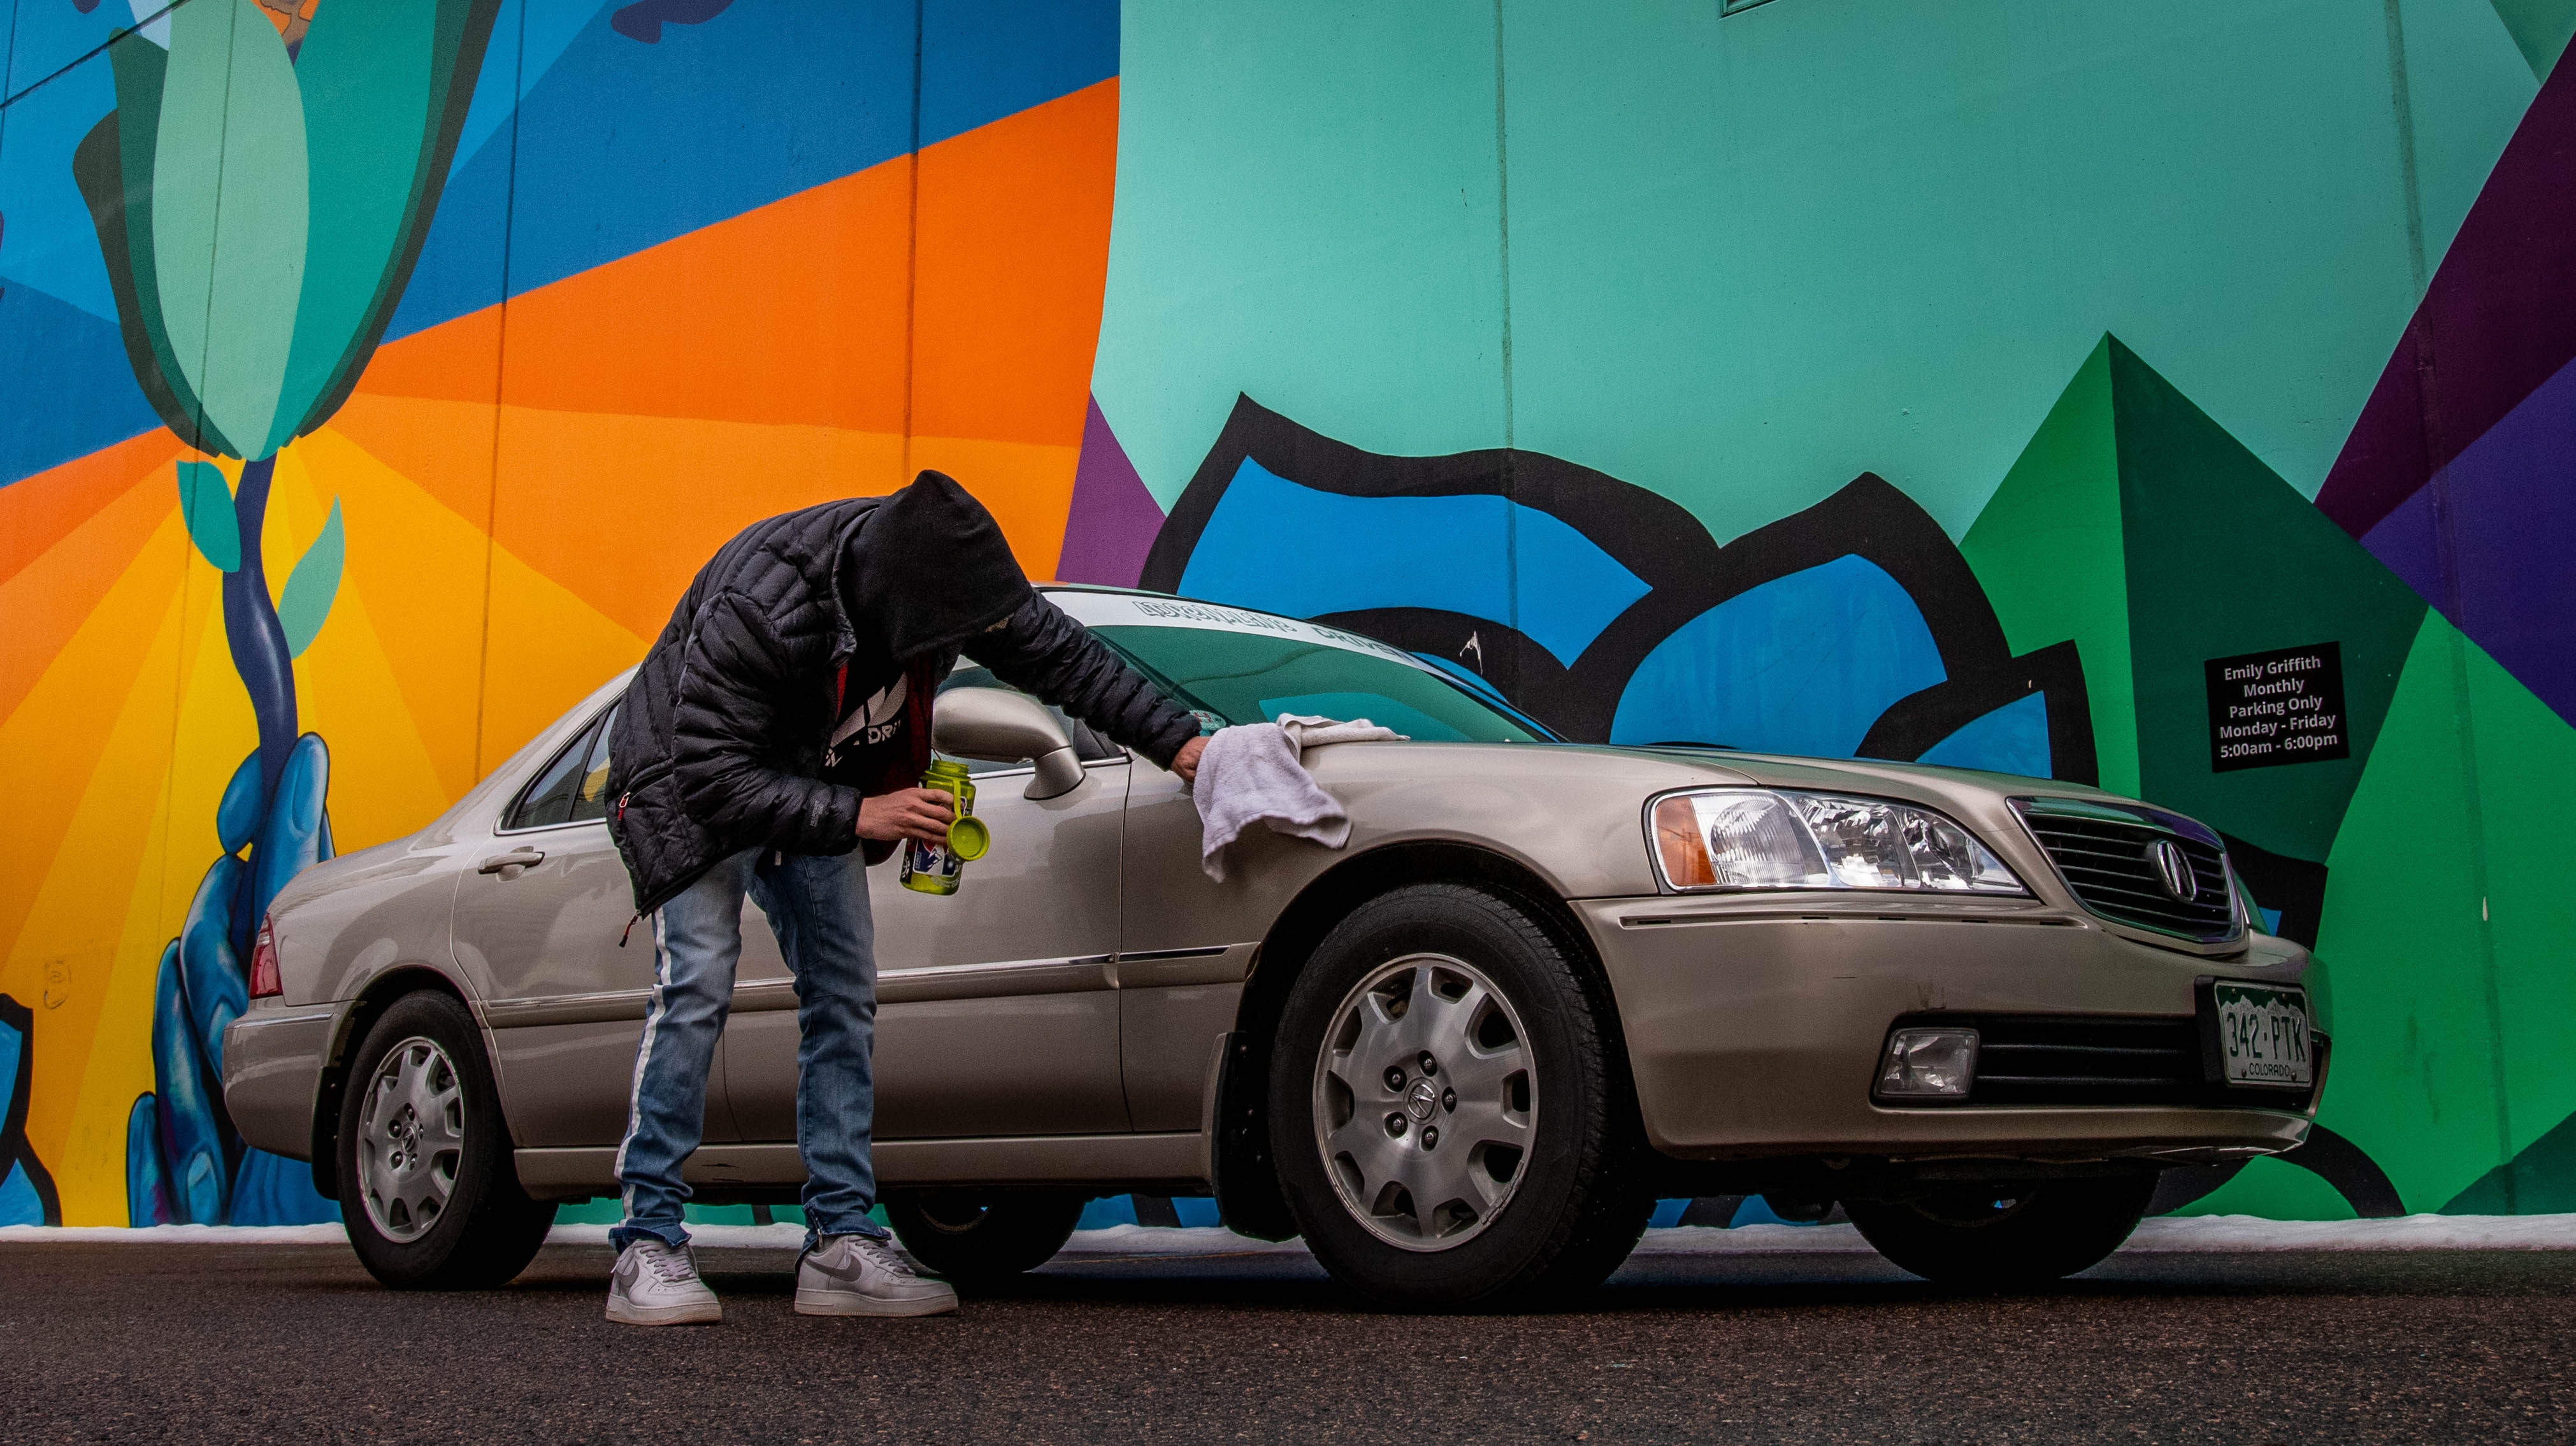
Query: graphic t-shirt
[[875, 747]]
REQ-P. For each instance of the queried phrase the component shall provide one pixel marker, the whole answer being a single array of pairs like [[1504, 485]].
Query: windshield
[[1250, 668]]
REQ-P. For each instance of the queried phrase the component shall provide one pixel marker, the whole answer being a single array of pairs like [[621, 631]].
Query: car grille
[[2078, 1059], [2102, 853]]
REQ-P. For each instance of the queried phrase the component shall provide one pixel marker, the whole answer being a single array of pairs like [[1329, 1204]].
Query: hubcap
[[411, 1139], [1426, 1101]]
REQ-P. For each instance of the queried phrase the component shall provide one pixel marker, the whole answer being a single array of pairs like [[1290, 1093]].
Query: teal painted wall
[[1735, 262], [1751, 257]]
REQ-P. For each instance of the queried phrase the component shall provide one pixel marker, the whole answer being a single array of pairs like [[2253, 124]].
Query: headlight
[[1752, 838]]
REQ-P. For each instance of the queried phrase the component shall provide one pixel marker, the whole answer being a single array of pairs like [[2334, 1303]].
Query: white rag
[[1251, 774]]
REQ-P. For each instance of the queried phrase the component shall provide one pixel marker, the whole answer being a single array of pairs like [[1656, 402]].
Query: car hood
[[1576, 812]]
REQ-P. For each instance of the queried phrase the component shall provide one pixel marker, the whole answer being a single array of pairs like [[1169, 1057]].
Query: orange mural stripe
[[1014, 259], [48, 600], [623, 510], [37, 511], [789, 313], [794, 312], [658, 403], [455, 361]]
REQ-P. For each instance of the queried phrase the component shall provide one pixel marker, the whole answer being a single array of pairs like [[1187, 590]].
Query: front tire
[[2002, 1236], [979, 1239], [427, 1188], [1452, 1124]]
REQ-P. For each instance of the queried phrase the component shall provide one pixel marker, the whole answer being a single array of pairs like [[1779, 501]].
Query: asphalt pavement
[[210, 1343]]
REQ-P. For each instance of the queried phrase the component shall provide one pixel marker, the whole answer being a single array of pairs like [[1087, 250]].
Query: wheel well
[[373, 1001], [1247, 1187]]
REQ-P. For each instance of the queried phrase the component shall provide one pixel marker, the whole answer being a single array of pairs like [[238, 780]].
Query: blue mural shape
[[26, 1189], [1802, 664], [2011, 739], [1608, 614], [183, 1163], [1284, 548], [2498, 566]]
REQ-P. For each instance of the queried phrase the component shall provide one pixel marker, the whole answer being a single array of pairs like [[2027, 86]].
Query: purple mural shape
[[1112, 522], [2461, 473], [644, 19]]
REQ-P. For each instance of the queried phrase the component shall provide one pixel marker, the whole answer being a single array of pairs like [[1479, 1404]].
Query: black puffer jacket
[[720, 744]]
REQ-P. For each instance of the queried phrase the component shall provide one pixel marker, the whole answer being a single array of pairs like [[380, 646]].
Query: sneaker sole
[[665, 1315], [813, 1302]]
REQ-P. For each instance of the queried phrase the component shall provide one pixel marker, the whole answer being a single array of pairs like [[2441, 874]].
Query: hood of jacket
[[928, 568]]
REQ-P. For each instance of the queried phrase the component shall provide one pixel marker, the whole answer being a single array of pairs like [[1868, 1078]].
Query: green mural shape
[[2541, 1180], [229, 212], [206, 504], [2415, 1070], [2136, 526], [258, 215], [306, 599], [2526, 770], [112, 165], [2540, 29], [2047, 550], [385, 90]]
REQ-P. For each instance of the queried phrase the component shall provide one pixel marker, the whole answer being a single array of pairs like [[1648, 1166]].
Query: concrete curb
[[2168, 1235]]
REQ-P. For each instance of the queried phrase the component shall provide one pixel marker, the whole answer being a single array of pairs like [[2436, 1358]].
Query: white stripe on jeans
[[643, 1060]]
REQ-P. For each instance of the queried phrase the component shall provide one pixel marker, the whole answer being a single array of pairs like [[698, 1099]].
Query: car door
[[996, 1006], [540, 923]]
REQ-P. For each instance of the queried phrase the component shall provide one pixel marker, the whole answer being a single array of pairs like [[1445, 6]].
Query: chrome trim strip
[[952, 981], [555, 1172], [605, 1007], [1166, 968]]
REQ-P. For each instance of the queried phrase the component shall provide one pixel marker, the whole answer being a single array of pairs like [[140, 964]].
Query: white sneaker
[[656, 1285], [861, 1275]]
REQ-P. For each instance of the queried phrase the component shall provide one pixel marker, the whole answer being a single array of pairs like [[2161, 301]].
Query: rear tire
[[980, 1238], [2007, 1235], [1503, 1176], [428, 1191]]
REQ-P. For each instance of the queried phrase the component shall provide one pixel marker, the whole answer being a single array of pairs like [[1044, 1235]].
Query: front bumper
[[1754, 1024], [273, 1075]]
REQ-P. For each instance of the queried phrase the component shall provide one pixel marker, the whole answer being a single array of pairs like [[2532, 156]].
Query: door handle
[[510, 865]]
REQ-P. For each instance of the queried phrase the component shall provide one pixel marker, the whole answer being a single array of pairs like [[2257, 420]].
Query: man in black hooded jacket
[[779, 722]]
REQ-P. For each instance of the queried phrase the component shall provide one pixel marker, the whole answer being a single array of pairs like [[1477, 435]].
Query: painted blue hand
[[26, 1189], [184, 1164]]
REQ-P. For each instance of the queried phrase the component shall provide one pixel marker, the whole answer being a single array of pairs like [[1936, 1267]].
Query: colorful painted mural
[[1979, 384]]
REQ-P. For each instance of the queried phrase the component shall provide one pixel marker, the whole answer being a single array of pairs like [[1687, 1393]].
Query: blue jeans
[[818, 907]]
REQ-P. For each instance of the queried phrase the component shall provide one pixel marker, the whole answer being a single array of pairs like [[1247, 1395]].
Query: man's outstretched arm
[[1040, 650]]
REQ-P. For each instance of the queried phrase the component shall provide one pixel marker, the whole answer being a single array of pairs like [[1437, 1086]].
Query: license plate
[[2263, 1035]]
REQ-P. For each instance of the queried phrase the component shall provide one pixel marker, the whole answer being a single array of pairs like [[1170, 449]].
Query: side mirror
[[1003, 727]]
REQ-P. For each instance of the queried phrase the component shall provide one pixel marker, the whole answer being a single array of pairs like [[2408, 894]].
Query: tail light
[[264, 980]]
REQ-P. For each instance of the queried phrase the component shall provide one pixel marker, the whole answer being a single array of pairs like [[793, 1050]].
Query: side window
[[569, 788], [1089, 746], [590, 795]]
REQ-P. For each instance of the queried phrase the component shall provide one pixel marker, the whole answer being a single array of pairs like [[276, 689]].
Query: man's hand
[[914, 813], [1186, 762]]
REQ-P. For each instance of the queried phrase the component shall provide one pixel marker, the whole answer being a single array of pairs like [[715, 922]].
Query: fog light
[[1928, 1064]]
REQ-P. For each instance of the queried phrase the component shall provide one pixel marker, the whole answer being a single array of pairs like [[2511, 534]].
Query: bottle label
[[934, 867]]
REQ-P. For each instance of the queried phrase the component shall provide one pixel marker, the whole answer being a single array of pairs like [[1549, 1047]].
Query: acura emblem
[[2173, 868]]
